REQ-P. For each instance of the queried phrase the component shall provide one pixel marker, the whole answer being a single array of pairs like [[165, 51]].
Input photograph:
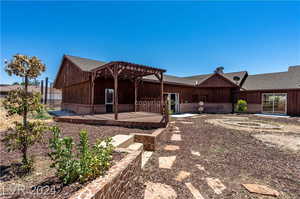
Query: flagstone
[[195, 192], [197, 153], [166, 162], [182, 175], [216, 185], [159, 191], [171, 147], [176, 131], [176, 137], [261, 189]]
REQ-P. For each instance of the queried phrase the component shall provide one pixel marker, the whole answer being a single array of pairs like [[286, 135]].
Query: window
[[274, 103]]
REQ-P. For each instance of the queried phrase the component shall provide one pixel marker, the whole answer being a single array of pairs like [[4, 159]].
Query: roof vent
[[236, 79], [219, 70]]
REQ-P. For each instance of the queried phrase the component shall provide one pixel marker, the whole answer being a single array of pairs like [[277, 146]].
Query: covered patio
[[123, 71]]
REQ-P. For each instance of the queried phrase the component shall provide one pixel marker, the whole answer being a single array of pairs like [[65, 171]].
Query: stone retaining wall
[[117, 182], [149, 140]]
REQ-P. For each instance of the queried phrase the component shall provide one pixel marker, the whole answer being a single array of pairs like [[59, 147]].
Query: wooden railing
[[152, 106]]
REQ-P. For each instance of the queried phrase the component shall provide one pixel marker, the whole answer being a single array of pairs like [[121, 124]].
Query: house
[[89, 86]]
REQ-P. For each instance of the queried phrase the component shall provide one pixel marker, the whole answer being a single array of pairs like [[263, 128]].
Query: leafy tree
[[21, 102]]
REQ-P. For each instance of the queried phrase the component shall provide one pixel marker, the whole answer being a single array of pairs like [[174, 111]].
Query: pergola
[[125, 70]]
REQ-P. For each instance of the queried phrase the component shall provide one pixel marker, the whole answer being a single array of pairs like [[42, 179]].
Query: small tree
[[241, 106], [22, 102]]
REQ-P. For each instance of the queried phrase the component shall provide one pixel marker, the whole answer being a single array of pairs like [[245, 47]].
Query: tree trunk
[[24, 150]]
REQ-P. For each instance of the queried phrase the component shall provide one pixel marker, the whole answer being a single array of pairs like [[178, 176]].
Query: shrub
[[85, 164], [241, 106]]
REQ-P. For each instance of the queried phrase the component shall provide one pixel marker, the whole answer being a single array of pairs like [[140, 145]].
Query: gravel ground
[[234, 157]]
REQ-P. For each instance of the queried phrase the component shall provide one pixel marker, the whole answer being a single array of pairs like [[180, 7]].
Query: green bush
[[241, 106], [41, 114], [88, 163]]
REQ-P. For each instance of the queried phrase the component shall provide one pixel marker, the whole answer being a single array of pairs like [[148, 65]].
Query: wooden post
[[93, 92], [42, 91], [161, 93], [46, 90], [135, 94], [115, 74]]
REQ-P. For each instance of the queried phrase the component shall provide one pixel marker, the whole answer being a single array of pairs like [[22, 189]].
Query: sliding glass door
[[274, 103]]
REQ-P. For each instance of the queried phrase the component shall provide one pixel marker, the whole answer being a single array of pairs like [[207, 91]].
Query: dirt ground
[[231, 156], [43, 176]]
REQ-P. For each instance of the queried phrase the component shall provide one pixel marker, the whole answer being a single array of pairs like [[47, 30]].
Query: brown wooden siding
[[70, 74], [255, 97], [125, 90], [78, 93], [217, 81], [186, 94]]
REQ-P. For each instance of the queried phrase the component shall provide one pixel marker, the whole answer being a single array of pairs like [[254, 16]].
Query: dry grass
[[6, 122]]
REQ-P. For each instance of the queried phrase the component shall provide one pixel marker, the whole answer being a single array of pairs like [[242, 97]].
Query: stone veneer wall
[[117, 182]]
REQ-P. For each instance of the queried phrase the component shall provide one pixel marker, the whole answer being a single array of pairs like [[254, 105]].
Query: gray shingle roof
[[229, 76], [281, 80], [85, 64], [197, 79]]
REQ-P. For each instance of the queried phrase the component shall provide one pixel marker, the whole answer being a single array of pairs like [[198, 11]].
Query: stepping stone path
[[176, 137], [171, 148], [197, 153], [159, 191], [176, 131], [195, 192], [216, 185], [261, 189], [166, 162], [182, 175]]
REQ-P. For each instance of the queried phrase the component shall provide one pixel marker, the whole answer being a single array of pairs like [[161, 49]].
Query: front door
[[173, 101], [109, 100]]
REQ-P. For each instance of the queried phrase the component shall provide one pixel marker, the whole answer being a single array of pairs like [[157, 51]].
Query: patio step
[[122, 141], [136, 146]]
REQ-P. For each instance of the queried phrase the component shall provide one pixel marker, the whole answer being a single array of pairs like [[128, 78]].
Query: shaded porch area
[[126, 119]]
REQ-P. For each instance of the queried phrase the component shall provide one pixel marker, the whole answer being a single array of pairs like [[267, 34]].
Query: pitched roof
[[84, 63], [269, 81], [229, 76], [197, 79]]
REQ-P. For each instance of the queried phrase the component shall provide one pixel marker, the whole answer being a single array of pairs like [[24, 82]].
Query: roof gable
[[85, 64], [217, 80]]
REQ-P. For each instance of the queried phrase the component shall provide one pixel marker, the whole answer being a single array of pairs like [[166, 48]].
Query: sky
[[185, 38]]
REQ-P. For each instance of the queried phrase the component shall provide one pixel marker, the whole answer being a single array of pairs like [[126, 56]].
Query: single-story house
[[89, 86]]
